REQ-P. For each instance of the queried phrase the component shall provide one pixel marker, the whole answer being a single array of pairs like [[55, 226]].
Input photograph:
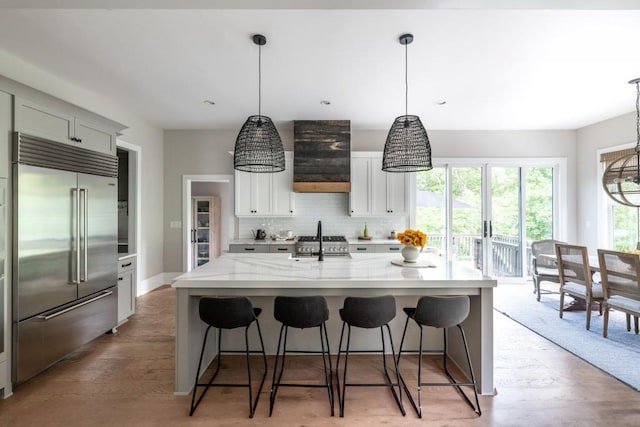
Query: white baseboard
[[155, 282]]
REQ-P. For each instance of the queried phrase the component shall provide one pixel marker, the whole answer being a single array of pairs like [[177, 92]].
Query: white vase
[[410, 253]]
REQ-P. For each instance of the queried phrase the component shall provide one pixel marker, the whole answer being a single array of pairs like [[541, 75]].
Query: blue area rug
[[616, 355]]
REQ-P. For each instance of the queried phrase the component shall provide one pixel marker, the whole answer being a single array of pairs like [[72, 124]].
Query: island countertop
[[359, 270], [262, 277]]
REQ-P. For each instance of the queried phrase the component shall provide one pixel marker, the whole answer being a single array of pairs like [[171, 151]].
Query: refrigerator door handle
[[74, 307], [85, 242], [76, 198]]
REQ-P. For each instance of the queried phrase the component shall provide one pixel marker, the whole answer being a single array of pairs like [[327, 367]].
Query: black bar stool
[[439, 312], [229, 313], [301, 312], [369, 313]]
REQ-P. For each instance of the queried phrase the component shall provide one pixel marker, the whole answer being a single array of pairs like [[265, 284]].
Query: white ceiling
[[496, 68]]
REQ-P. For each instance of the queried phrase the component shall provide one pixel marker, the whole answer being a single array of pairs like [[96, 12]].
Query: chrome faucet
[[319, 237]]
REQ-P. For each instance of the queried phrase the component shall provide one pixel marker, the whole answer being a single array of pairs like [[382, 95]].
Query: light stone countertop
[[264, 271]]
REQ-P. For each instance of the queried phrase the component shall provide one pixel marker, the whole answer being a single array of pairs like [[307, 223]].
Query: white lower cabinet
[[127, 288], [248, 248], [388, 248], [361, 248]]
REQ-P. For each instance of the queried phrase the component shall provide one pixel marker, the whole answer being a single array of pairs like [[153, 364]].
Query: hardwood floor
[[126, 379]]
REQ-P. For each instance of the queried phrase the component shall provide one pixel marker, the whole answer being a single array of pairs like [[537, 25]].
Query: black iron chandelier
[[407, 148], [621, 179], [258, 146]]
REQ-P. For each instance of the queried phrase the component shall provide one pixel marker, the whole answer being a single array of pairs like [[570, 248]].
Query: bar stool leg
[[396, 396], [254, 404], [473, 378], [328, 377], [195, 384], [402, 381], [275, 384], [346, 361]]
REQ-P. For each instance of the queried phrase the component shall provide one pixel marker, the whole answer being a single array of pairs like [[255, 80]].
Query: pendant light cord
[[406, 82], [637, 116], [259, 79]]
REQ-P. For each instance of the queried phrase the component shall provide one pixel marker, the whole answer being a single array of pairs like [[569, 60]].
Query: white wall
[[608, 133], [206, 152], [139, 132]]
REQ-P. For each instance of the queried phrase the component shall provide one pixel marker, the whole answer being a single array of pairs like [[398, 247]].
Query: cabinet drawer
[[388, 248], [282, 248], [250, 249], [356, 249], [126, 265], [3, 374]]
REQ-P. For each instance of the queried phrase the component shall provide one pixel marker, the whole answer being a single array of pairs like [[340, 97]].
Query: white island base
[[261, 277]]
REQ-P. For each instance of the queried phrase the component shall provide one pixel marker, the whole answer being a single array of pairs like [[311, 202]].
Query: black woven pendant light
[[258, 145], [407, 148], [621, 179]]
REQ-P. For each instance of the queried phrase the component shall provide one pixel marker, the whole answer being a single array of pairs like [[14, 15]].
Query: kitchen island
[[261, 277]]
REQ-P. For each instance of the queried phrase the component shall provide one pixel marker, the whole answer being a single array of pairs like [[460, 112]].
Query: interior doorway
[[129, 181], [197, 187]]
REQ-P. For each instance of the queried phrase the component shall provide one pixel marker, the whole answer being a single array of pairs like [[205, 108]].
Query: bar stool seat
[[301, 313], [229, 313], [368, 313], [439, 312]]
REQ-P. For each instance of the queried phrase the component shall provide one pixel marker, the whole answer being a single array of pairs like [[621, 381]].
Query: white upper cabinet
[[252, 193], [93, 137], [375, 192], [360, 196], [265, 194], [48, 123], [283, 198]]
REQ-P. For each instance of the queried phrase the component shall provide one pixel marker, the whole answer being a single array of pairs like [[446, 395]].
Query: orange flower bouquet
[[412, 238]]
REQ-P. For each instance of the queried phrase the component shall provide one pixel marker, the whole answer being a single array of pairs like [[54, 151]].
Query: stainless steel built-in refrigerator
[[65, 250]]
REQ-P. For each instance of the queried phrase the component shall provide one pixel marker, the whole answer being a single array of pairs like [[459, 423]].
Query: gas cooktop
[[324, 239]]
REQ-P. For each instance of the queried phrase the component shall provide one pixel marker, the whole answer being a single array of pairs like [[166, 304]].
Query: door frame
[[187, 180], [135, 186]]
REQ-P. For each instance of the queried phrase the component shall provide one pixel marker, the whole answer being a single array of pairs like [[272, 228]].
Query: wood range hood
[[322, 156]]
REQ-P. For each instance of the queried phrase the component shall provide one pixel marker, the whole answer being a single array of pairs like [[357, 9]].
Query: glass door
[[471, 210], [202, 231], [504, 221]]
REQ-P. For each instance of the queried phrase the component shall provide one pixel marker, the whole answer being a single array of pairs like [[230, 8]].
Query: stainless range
[[331, 245]]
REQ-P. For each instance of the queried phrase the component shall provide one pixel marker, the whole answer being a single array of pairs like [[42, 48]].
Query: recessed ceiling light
[[325, 102], [210, 102], [441, 102]]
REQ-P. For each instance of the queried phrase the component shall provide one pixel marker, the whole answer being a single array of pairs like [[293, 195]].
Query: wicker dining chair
[[544, 268], [576, 278], [620, 273]]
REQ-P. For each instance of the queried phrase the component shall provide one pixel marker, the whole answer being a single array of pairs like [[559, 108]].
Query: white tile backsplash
[[330, 208]]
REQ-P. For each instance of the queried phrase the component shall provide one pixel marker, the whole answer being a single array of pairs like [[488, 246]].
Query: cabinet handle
[[394, 249], [120, 278], [361, 249], [282, 249], [249, 249], [126, 265], [290, 211]]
